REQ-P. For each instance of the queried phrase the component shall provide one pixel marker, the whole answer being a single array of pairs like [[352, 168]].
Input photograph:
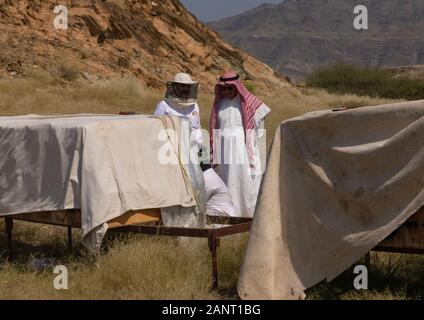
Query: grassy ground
[[392, 277], [141, 267]]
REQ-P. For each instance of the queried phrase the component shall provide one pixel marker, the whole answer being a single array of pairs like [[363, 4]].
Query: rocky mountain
[[151, 40], [297, 36]]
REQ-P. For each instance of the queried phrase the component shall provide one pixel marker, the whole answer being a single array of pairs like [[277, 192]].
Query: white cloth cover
[[178, 216], [103, 165], [234, 167], [336, 185], [219, 201]]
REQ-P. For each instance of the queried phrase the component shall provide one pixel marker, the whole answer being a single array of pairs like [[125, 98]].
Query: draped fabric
[[336, 185]]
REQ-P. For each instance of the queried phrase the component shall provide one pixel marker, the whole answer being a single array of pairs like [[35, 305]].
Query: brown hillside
[[151, 40]]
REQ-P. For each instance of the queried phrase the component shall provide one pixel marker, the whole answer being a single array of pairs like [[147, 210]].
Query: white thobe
[[219, 199], [166, 109], [234, 166]]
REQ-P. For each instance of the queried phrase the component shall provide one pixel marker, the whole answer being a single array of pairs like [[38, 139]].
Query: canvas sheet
[[103, 165], [336, 185]]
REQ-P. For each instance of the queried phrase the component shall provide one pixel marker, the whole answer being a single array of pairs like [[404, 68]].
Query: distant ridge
[[297, 36]]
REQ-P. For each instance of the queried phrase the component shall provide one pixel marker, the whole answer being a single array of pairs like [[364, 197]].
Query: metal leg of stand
[[368, 261], [213, 246], [9, 228], [70, 238]]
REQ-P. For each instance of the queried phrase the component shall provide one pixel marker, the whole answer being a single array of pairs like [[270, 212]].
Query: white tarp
[[103, 165], [336, 185]]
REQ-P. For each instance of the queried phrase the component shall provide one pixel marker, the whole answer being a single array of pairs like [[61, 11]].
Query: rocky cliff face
[[151, 40], [297, 36]]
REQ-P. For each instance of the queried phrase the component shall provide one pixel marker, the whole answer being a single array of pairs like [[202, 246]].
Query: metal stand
[[230, 226], [70, 239], [227, 227], [214, 243], [9, 228], [368, 261]]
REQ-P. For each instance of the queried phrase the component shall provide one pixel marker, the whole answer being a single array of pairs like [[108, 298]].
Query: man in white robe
[[238, 141], [219, 199]]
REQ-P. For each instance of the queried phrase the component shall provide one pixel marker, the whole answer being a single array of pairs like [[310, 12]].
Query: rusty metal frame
[[9, 228], [398, 250], [230, 226]]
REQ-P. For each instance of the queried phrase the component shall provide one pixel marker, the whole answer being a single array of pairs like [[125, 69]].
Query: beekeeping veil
[[182, 91]]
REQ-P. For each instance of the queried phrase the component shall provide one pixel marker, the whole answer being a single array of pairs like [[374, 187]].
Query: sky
[[211, 10]]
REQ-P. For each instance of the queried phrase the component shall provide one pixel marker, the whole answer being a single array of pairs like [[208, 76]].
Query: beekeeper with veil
[[181, 101]]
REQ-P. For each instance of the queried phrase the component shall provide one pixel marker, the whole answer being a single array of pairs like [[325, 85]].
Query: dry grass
[[151, 267], [391, 277], [40, 94], [136, 267], [139, 267]]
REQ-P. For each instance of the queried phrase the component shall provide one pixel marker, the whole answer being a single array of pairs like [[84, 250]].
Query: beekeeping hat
[[184, 78], [183, 99]]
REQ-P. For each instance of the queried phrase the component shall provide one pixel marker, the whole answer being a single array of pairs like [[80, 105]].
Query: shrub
[[68, 72], [345, 78], [124, 62], [250, 86]]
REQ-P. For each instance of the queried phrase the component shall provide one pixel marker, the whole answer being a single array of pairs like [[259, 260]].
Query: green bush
[[250, 86], [345, 78]]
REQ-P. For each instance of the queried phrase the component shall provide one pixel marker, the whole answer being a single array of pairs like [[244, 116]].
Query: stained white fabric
[[178, 216], [336, 185], [188, 217], [103, 165], [234, 167], [219, 199]]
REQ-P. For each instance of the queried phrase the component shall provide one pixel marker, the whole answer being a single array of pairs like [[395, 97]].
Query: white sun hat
[[183, 78]]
